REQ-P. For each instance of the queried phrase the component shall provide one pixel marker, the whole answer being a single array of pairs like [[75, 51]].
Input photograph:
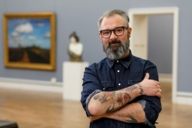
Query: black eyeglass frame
[[114, 30]]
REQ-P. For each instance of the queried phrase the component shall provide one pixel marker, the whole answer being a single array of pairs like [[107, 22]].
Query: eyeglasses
[[118, 31]]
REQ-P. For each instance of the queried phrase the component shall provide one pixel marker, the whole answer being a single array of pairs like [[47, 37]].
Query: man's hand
[[150, 87]]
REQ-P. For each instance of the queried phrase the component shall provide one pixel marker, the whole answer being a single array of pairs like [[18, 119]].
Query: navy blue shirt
[[110, 75]]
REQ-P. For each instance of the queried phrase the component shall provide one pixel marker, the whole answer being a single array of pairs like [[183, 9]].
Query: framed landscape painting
[[29, 40]]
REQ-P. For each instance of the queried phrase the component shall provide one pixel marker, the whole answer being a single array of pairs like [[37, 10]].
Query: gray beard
[[121, 51]]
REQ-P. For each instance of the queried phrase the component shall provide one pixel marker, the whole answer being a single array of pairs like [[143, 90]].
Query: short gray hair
[[112, 13]]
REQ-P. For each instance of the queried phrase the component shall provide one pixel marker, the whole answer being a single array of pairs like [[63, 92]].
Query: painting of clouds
[[29, 40]]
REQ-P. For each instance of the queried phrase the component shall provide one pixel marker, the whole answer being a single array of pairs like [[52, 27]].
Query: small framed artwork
[[29, 40]]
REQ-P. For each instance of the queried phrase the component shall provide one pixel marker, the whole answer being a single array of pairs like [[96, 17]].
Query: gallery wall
[[160, 42], [81, 16]]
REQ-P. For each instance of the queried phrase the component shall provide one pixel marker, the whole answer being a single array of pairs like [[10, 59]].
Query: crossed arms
[[116, 104]]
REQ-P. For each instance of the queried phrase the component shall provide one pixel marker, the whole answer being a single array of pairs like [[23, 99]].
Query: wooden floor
[[48, 110]]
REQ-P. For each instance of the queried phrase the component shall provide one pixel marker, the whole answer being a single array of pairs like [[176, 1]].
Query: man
[[121, 91]]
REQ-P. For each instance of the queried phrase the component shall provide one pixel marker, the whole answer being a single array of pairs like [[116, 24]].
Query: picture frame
[[29, 40]]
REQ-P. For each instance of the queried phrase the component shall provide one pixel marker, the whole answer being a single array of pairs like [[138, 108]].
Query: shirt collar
[[125, 61]]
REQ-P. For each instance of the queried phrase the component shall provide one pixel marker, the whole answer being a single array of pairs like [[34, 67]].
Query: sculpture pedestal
[[72, 79]]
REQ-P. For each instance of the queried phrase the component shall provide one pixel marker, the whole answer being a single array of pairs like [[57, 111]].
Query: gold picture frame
[[29, 40]]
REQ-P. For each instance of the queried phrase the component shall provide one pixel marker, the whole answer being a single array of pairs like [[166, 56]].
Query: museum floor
[[48, 110]]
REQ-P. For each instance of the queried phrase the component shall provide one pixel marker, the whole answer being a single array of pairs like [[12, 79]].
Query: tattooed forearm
[[141, 89], [120, 99], [131, 113], [107, 102], [111, 108], [123, 98], [102, 98]]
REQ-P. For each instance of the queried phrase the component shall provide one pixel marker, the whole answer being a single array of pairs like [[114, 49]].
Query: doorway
[[139, 23], [160, 44]]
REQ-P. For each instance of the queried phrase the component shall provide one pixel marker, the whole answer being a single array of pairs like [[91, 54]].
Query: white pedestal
[[72, 79]]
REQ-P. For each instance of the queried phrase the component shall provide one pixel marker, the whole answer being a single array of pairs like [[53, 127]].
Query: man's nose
[[113, 36]]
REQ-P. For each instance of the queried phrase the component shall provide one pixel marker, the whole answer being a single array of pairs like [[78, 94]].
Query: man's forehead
[[112, 22]]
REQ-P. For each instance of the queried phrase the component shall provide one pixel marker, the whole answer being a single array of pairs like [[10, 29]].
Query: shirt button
[[117, 61], [119, 84], [118, 70]]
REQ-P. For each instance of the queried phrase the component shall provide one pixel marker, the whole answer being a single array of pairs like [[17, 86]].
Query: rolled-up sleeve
[[91, 86], [153, 104]]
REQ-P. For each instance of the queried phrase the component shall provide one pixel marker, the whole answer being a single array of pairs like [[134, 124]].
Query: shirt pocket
[[107, 85]]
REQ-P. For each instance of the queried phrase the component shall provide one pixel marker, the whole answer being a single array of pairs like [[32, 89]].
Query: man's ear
[[129, 32]]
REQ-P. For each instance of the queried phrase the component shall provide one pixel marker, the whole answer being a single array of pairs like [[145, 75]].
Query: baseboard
[[183, 98], [32, 85]]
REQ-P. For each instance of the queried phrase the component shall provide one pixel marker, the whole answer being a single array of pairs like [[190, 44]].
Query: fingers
[[146, 76], [157, 83], [158, 92]]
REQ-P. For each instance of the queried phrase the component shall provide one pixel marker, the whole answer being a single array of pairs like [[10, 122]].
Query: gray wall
[[81, 16], [160, 42]]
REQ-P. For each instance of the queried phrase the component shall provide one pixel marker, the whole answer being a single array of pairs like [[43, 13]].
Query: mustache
[[114, 42]]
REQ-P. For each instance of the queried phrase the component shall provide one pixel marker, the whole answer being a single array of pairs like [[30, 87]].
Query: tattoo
[[116, 99], [111, 109], [123, 98], [101, 98], [119, 101], [141, 89]]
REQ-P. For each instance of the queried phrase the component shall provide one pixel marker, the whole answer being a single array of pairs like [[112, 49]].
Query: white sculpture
[[75, 49]]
